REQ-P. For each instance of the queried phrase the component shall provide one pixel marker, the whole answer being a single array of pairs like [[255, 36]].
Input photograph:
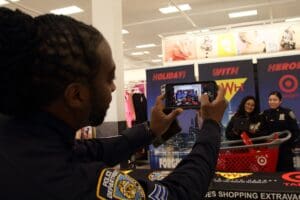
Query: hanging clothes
[[129, 109], [140, 107]]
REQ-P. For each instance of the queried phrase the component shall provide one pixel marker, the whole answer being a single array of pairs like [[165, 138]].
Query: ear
[[77, 95]]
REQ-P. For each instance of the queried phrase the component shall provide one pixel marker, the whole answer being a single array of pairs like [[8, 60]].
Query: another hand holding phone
[[213, 110], [160, 121]]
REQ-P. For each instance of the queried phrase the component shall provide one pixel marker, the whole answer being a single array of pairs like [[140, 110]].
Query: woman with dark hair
[[244, 120], [276, 119]]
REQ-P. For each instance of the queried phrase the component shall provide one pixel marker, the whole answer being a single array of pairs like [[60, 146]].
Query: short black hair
[[276, 93], [40, 56]]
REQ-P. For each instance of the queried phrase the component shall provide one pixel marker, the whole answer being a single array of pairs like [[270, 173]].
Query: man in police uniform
[[57, 76], [278, 119]]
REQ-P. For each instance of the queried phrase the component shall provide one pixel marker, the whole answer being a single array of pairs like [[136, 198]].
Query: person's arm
[[230, 132], [190, 179], [263, 125], [112, 150], [293, 127]]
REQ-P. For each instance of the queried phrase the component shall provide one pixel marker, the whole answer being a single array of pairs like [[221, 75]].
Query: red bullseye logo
[[262, 160], [288, 83], [292, 177]]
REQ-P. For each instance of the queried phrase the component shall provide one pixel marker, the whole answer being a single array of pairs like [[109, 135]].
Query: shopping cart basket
[[260, 155]]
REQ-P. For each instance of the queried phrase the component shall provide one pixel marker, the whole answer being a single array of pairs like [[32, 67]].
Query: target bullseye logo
[[288, 83], [292, 177], [262, 160]]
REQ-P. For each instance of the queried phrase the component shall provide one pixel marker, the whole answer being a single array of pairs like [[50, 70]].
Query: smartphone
[[187, 95]]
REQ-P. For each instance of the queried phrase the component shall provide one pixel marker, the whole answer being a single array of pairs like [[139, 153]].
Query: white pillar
[[107, 18]]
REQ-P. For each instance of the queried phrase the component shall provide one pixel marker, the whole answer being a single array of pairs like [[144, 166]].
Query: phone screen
[[187, 95]]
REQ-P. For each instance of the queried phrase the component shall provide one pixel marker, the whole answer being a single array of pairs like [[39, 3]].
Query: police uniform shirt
[[280, 119], [39, 160]]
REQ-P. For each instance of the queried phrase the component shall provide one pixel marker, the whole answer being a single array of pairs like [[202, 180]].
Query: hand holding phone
[[173, 129]]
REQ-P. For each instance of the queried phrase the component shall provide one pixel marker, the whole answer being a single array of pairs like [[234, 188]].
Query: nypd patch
[[114, 184], [160, 192]]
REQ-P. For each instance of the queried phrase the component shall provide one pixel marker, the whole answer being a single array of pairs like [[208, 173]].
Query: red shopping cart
[[260, 156]]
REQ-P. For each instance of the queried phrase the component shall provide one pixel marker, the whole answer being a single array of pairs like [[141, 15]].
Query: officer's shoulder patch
[[292, 115], [114, 184], [159, 192]]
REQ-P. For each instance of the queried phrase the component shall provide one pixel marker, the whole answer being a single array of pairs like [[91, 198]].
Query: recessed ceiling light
[[172, 9], [67, 10], [140, 53], [242, 14], [145, 46], [160, 55], [205, 30], [124, 31], [3, 2], [193, 32], [156, 60], [293, 19]]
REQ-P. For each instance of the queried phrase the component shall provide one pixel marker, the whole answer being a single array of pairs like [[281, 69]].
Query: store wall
[[107, 17]]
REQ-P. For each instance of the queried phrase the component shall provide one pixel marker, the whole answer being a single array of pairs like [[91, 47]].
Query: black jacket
[[40, 160], [280, 119], [243, 123]]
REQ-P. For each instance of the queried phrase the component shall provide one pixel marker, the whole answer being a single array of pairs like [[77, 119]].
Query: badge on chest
[[281, 117]]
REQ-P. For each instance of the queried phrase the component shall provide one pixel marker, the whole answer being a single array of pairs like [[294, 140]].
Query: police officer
[[57, 76], [276, 119]]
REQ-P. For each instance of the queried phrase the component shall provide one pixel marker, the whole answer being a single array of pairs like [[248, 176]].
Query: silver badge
[[281, 117], [292, 115]]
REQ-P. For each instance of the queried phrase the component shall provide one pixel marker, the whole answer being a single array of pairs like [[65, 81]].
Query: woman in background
[[276, 119], [244, 120]]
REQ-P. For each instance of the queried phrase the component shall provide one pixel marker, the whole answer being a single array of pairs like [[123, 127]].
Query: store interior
[[250, 47]]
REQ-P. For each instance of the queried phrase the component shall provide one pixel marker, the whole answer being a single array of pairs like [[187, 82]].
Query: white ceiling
[[145, 23]]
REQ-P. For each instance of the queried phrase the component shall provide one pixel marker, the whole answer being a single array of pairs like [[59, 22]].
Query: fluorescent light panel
[[242, 14], [124, 31], [3, 2], [67, 10], [172, 9], [205, 30], [193, 32], [145, 46], [140, 53], [198, 31], [293, 19], [156, 60]]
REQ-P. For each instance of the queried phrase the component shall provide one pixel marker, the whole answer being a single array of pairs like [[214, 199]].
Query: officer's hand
[[213, 110], [160, 122]]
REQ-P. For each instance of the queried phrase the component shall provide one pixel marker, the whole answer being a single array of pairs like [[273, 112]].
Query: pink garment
[[129, 110]]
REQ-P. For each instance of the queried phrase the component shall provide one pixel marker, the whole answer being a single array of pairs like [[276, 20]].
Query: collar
[[47, 119]]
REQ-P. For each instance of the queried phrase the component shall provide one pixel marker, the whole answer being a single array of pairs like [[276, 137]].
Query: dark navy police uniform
[[40, 160], [280, 119]]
